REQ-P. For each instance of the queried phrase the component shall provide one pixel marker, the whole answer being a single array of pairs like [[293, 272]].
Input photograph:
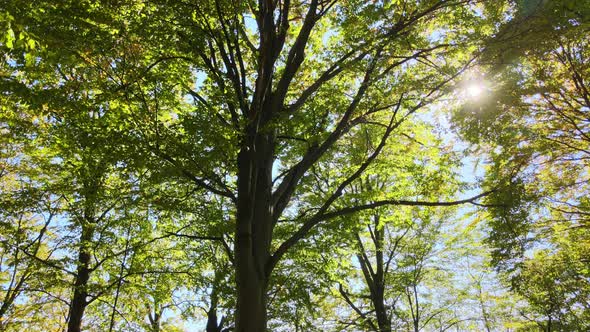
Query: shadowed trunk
[[253, 229], [383, 320], [375, 278], [87, 223], [212, 322], [79, 300]]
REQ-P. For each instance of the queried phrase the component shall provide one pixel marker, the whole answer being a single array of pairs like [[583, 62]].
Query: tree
[[536, 122], [77, 156], [395, 246], [268, 120], [25, 243], [278, 87]]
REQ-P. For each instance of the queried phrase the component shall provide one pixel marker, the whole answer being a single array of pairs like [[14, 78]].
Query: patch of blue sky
[[250, 23], [329, 35], [438, 35]]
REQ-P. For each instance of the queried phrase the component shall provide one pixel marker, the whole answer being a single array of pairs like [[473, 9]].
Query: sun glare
[[474, 90]]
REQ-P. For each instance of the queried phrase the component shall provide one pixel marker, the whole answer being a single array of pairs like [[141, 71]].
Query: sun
[[474, 90], [473, 87]]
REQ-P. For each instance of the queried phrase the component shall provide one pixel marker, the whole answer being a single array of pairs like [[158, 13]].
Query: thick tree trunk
[[253, 230], [212, 325], [79, 300], [383, 321]]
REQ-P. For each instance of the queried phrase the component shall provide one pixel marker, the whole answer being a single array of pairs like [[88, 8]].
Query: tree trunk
[[379, 279], [79, 301], [155, 317], [155, 322], [212, 325], [253, 229], [383, 321]]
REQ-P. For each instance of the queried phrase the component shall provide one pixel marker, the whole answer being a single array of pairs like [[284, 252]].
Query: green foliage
[[533, 128], [129, 130]]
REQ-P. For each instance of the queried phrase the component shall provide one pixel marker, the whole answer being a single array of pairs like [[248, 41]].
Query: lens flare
[[474, 90]]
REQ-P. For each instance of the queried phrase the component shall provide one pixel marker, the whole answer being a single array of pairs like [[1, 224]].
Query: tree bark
[[253, 229], [212, 322], [79, 299], [382, 318], [379, 279], [212, 325]]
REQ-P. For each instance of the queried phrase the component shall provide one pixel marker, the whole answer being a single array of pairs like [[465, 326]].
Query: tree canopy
[[285, 165]]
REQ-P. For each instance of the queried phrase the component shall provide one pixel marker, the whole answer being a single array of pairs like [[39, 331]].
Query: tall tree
[[279, 88], [533, 125]]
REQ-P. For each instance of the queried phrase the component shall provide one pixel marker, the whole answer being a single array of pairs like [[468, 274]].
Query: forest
[[294, 165]]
